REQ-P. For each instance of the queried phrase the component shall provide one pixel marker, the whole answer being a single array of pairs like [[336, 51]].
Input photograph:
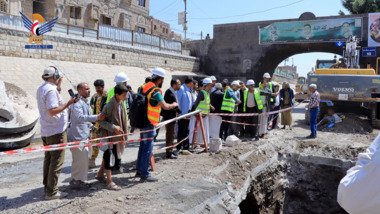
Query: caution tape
[[168, 147], [39, 149]]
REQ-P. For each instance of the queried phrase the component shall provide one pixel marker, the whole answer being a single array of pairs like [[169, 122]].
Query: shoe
[[138, 175], [148, 179], [57, 195], [172, 156], [117, 171], [311, 137], [186, 152], [255, 139], [290, 128], [91, 164]]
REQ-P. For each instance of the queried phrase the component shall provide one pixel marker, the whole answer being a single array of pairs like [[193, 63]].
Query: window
[[166, 31], [142, 3], [75, 12], [106, 20], [141, 29], [163, 30], [3, 6], [155, 27]]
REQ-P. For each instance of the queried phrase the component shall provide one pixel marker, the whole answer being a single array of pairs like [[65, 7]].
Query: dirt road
[[199, 183]]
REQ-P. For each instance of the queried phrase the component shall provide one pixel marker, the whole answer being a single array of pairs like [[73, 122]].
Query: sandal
[[113, 186], [101, 179], [79, 184]]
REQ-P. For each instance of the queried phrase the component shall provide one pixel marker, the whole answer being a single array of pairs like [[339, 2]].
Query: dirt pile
[[351, 124]]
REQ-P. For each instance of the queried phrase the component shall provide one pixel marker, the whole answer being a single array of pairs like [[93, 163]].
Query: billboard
[[374, 29], [328, 30]]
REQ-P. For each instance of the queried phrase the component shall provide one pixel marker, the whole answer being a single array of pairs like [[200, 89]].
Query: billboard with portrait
[[374, 29], [328, 30]]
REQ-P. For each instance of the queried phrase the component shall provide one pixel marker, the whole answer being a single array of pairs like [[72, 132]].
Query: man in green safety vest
[[228, 106], [203, 104], [120, 79], [252, 104], [271, 100]]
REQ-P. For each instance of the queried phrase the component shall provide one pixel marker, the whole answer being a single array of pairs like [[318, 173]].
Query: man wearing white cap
[[155, 103], [120, 79], [252, 104], [228, 106], [271, 100], [213, 79], [203, 104], [54, 122]]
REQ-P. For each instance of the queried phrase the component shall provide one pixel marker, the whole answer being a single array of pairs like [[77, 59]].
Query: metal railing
[[106, 33]]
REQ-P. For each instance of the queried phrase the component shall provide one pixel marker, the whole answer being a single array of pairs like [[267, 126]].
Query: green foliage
[[361, 6]]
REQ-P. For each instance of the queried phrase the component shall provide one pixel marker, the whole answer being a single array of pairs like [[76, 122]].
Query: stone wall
[[79, 49]]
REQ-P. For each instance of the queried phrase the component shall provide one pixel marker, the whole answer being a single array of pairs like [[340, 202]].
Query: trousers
[[313, 121]]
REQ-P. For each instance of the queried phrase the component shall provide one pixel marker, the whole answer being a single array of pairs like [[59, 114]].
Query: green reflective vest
[[258, 100], [204, 105], [111, 93], [228, 104], [271, 88]]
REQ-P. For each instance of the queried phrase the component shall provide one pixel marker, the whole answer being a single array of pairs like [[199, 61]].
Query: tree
[[361, 6]]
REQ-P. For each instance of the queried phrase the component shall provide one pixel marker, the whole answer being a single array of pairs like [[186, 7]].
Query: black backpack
[[138, 111]]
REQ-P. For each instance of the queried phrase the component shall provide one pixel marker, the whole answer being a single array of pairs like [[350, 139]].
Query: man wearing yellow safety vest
[[155, 103], [252, 104], [120, 79], [271, 101], [228, 106], [203, 104]]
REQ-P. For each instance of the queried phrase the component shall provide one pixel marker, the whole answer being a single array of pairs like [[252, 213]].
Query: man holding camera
[[54, 121], [79, 130]]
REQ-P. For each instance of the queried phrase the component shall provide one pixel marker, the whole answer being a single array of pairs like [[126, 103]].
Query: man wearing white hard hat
[[203, 104], [155, 101], [120, 79], [54, 122], [252, 104], [271, 100], [230, 101], [213, 79]]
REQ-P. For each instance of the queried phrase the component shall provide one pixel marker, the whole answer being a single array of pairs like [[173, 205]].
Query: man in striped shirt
[[314, 110]]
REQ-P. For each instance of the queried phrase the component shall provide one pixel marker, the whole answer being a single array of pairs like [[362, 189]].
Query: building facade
[[160, 28], [127, 14], [289, 71]]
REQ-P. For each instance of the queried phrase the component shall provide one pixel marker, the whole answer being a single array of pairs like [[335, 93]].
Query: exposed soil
[[351, 124]]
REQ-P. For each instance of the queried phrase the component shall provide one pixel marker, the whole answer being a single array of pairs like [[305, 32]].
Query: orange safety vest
[[153, 112]]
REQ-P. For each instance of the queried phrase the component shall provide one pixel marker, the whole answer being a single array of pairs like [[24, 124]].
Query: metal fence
[[107, 33]]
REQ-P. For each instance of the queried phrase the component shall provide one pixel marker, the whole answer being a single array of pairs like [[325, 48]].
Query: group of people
[[107, 114]]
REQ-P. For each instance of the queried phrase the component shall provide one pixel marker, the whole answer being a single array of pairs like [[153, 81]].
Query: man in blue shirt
[[185, 102]]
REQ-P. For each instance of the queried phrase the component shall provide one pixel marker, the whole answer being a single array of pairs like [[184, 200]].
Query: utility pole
[[185, 28]]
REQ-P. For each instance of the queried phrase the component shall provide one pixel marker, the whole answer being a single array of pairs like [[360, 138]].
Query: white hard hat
[[213, 78], [235, 83], [266, 75], [121, 77], [250, 82], [159, 72], [207, 81]]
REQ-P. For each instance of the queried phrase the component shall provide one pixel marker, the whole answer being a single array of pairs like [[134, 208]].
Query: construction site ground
[[198, 183]]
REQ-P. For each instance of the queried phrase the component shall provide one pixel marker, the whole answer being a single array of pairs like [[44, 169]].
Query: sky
[[203, 14]]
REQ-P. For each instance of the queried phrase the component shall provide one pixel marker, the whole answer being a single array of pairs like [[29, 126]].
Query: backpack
[[138, 111]]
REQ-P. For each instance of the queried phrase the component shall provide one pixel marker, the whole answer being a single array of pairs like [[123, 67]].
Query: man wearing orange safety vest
[[155, 103]]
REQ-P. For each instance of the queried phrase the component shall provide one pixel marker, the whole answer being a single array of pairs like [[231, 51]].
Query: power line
[[245, 14], [165, 8]]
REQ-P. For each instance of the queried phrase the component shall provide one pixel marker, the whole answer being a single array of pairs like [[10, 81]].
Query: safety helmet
[[121, 78], [206, 81], [235, 83], [159, 72], [213, 78], [266, 75], [250, 82]]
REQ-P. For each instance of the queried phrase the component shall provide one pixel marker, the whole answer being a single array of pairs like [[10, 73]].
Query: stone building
[[161, 29], [127, 14]]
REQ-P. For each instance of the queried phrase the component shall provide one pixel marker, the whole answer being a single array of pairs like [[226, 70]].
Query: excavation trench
[[295, 183]]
